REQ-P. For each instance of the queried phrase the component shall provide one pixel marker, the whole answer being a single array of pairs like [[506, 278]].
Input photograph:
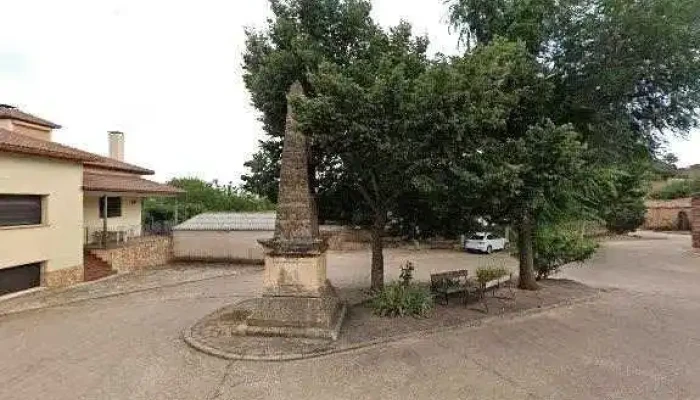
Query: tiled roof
[[10, 112], [116, 165], [230, 221], [676, 203], [17, 143], [125, 183]]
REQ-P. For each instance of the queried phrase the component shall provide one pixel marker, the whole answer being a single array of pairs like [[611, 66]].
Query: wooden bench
[[495, 284], [446, 283]]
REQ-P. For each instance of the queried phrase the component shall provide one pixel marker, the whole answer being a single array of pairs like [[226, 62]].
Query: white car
[[486, 242]]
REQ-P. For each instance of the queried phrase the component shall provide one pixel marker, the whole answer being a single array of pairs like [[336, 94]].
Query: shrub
[[486, 274], [676, 189], [556, 246], [623, 218], [399, 300]]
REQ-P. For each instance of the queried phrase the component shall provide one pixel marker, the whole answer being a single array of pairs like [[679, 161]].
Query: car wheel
[[489, 250]]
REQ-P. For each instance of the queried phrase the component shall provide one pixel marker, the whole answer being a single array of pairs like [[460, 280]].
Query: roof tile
[[126, 183], [230, 221], [676, 203], [10, 112], [17, 143]]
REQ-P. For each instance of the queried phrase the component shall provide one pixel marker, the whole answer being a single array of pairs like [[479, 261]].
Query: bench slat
[[450, 274], [496, 282]]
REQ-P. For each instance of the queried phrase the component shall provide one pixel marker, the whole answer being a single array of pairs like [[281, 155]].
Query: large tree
[[358, 80], [622, 72], [360, 117], [301, 35]]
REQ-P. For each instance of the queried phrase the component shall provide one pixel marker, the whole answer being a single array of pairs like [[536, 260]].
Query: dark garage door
[[19, 278]]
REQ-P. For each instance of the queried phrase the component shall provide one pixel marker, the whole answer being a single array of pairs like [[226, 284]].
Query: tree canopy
[[555, 110], [201, 196]]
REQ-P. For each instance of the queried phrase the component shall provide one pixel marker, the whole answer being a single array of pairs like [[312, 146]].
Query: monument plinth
[[298, 299]]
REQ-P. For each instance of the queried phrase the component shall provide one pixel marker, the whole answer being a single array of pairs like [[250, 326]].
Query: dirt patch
[[362, 328]]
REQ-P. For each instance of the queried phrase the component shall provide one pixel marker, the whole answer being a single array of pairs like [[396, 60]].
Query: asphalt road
[[639, 340]]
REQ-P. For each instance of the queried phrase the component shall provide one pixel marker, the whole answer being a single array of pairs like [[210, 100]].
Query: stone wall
[[140, 253], [220, 246], [696, 222], [62, 277], [664, 214], [345, 238]]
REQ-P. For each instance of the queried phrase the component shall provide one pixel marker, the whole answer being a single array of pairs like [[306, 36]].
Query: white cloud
[[167, 73]]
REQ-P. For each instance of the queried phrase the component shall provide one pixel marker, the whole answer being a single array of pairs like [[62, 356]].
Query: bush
[[676, 189], [486, 274], [556, 246], [199, 197], [623, 218], [399, 300]]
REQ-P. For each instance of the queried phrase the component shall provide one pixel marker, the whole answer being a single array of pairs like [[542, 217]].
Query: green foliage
[[539, 121], [487, 274], [619, 196], [399, 300], [676, 189], [619, 98], [199, 197], [557, 245], [623, 218], [296, 41], [664, 167]]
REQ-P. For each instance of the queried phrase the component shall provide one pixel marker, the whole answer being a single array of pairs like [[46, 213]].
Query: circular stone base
[[216, 334]]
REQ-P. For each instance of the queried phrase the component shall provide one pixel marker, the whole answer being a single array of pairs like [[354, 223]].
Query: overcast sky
[[167, 73]]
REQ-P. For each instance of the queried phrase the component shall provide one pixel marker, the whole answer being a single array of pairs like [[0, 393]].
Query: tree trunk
[[525, 249], [377, 253]]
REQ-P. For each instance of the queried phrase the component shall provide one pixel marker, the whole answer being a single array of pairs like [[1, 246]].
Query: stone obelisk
[[298, 300]]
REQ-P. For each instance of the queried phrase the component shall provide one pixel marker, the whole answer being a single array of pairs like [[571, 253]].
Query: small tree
[[615, 196], [557, 245], [360, 118], [547, 163]]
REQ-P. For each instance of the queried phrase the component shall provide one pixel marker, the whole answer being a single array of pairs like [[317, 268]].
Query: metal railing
[[94, 235]]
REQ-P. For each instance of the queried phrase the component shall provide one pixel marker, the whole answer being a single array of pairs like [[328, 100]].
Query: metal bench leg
[[510, 289]]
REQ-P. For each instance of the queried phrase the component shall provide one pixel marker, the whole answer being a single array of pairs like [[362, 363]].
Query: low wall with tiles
[[670, 215], [140, 253]]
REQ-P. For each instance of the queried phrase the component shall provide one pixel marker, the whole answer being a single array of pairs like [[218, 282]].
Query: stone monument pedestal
[[311, 317], [297, 298]]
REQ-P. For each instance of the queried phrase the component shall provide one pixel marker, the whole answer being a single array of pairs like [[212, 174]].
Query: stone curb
[[101, 296], [188, 337]]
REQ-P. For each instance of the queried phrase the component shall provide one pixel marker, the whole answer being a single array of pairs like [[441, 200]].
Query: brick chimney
[[116, 145]]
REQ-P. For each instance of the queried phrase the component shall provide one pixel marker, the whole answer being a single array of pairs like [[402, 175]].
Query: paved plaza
[[121, 338]]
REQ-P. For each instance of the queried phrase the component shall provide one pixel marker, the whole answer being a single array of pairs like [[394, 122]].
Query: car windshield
[[477, 237]]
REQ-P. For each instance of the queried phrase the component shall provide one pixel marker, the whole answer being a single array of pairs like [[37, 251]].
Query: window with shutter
[[22, 277], [114, 207], [18, 210]]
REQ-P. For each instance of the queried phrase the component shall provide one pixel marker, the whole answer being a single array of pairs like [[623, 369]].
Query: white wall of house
[[219, 245], [129, 220], [58, 240]]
